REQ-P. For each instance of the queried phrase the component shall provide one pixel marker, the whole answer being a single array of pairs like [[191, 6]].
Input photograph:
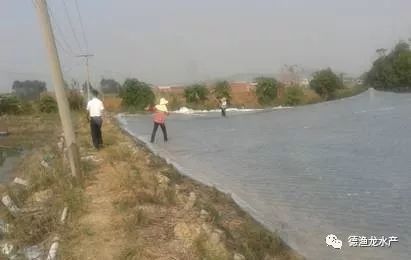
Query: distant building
[[305, 82], [169, 89], [242, 87], [359, 81]]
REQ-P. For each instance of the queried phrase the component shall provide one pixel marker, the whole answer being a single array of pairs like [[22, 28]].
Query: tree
[[29, 89], [294, 96], [222, 89], [381, 52], [84, 88], [75, 100], [325, 83], [48, 104], [137, 94], [10, 105], [266, 90], [109, 86], [392, 71], [196, 93]]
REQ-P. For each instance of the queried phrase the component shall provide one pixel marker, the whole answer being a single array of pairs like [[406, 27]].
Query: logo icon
[[332, 240]]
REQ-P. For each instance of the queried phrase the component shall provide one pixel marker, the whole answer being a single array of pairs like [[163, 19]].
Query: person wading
[[95, 110], [223, 105], [159, 118]]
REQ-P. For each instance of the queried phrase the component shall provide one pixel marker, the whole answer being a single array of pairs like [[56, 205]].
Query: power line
[[82, 26], [71, 25], [60, 31], [66, 47]]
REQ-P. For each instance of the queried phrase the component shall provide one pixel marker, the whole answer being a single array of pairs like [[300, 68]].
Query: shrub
[[10, 105], [222, 89], [294, 96], [27, 108], [266, 90], [76, 101], [136, 94], [48, 104], [325, 83], [196, 93], [174, 102], [348, 92]]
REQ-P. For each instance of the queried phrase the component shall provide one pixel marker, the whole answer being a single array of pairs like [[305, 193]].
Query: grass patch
[[172, 173], [119, 153], [206, 250], [131, 253], [137, 218], [349, 91]]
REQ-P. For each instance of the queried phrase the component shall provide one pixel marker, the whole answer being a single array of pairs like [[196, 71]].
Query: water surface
[[340, 167], [9, 157]]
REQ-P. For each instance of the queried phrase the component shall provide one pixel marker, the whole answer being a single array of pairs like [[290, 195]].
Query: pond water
[[9, 157], [340, 167]]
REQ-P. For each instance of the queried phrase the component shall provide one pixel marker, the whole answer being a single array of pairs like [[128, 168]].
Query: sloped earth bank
[[139, 207]]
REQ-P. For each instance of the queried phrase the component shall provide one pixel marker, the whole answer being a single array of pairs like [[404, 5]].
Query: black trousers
[[95, 127], [163, 128], [223, 111]]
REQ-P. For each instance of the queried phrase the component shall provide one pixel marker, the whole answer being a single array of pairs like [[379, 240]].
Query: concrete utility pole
[[58, 83], [86, 56]]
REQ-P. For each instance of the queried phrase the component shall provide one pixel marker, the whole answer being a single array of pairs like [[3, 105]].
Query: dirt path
[[139, 207], [103, 240]]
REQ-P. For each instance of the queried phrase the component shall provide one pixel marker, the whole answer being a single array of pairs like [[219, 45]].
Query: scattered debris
[[42, 196], [4, 227], [10, 205], [206, 228], [191, 201], [64, 215], [33, 252], [52, 255], [238, 256], [6, 248], [20, 181], [216, 236], [60, 143], [44, 164], [204, 214], [91, 158]]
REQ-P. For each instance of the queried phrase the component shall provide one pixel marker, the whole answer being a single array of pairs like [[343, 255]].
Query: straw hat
[[163, 105]]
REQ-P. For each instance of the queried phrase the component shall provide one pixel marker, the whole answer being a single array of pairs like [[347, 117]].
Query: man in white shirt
[[95, 111]]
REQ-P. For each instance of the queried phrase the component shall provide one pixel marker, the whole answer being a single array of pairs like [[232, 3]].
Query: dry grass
[[112, 103], [40, 219], [130, 206]]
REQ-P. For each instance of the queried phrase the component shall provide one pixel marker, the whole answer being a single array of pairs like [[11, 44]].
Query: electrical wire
[[81, 24], [71, 24], [68, 49]]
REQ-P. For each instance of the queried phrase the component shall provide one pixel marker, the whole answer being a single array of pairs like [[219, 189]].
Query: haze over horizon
[[182, 41]]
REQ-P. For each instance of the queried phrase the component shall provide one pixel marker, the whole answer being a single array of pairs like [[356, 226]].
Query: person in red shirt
[[159, 118]]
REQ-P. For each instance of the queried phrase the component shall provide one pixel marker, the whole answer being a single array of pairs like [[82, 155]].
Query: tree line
[[390, 71]]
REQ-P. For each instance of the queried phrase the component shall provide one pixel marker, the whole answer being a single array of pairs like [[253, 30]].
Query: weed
[[206, 250], [137, 218]]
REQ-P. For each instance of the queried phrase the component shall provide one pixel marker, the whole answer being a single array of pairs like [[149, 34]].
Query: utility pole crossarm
[[86, 56]]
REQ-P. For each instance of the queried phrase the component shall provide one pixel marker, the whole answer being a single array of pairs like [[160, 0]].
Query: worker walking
[[95, 111], [159, 118]]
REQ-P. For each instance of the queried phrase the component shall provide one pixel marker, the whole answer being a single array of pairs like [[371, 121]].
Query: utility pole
[[86, 56], [58, 83]]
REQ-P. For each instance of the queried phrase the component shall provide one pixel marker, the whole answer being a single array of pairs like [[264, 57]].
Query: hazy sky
[[175, 41]]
